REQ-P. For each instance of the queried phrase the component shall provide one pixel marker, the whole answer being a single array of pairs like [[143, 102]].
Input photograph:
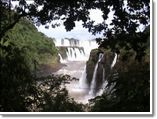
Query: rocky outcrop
[[71, 52], [126, 65], [103, 70]]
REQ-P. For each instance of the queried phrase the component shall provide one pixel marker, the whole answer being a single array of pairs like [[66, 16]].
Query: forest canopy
[[128, 14], [124, 34]]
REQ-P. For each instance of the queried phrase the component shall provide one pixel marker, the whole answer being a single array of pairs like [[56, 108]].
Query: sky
[[78, 32]]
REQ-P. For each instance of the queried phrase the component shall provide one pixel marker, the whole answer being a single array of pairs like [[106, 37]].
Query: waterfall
[[83, 80], [93, 90], [61, 59], [114, 61], [93, 83], [104, 81], [76, 50], [75, 54], [104, 84]]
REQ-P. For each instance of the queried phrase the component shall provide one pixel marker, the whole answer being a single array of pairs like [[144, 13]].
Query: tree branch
[[10, 26]]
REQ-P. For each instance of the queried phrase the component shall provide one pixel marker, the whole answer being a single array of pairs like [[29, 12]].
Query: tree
[[19, 87], [128, 15], [123, 33]]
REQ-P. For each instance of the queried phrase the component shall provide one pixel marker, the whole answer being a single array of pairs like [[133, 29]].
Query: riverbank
[[72, 68], [48, 69]]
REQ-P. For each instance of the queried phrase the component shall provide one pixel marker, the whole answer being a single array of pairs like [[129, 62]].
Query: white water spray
[[80, 51], [61, 59], [77, 50], [91, 92], [93, 83], [114, 61], [83, 81], [75, 54]]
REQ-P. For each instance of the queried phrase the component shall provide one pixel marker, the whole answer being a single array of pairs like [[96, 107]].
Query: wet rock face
[[62, 50], [99, 77], [103, 70], [93, 58]]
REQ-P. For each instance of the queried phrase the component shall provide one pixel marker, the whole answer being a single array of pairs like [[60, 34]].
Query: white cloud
[[78, 32], [96, 15]]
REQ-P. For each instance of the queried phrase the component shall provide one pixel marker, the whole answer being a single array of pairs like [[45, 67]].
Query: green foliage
[[128, 88], [124, 33], [20, 91], [53, 96], [56, 98], [38, 48], [130, 91], [16, 80], [132, 87]]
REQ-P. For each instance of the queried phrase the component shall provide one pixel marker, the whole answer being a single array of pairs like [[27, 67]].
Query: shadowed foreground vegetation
[[23, 49]]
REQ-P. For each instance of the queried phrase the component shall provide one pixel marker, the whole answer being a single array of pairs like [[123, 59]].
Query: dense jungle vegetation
[[36, 46], [129, 79], [22, 48]]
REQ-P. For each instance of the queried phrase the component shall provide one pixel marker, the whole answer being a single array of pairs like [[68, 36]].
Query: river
[[75, 69]]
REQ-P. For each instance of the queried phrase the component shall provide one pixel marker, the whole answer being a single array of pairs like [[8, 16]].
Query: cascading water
[[75, 55], [83, 82], [76, 50], [110, 89], [93, 83], [61, 59], [114, 61], [92, 92]]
